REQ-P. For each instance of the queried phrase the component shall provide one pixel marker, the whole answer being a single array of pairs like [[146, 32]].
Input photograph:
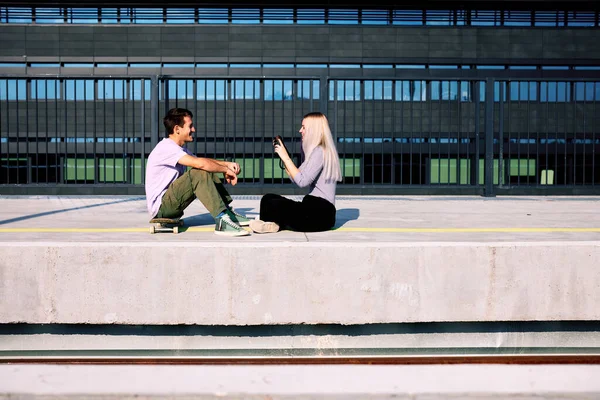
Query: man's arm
[[230, 169]]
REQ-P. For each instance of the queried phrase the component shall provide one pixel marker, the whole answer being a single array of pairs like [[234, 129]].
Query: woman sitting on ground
[[320, 171]]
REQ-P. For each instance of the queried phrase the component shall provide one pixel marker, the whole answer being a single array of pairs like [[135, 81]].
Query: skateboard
[[165, 225]]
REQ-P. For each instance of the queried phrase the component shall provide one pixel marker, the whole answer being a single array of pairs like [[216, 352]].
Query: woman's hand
[[280, 150]]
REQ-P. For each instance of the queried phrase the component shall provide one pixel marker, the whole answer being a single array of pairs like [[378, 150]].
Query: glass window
[[180, 16], [346, 17], [549, 18], [278, 16], [517, 18], [82, 15], [245, 16], [11, 89], [439, 17], [213, 15], [136, 89], [485, 18], [311, 16], [18, 15], [375, 17], [345, 90], [45, 89], [49, 16], [79, 89], [581, 18], [407, 17], [523, 91], [211, 89], [378, 90], [411, 91], [181, 89], [148, 15], [587, 91], [111, 89], [444, 90], [278, 90], [555, 91], [246, 89], [409, 66]]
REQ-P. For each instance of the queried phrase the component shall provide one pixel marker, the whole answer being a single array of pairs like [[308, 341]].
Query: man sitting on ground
[[170, 189]]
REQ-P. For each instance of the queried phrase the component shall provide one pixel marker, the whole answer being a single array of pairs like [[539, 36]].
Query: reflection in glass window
[[375, 17], [211, 89], [555, 91], [304, 89], [581, 18], [278, 90], [344, 90], [407, 17], [180, 15], [485, 18], [278, 16], [136, 89], [82, 15], [246, 89], [11, 89], [311, 16], [213, 15], [111, 89], [45, 89], [517, 18], [378, 90], [439, 17], [17, 15], [245, 16], [346, 17], [79, 89], [587, 91], [411, 91], [549, 18], [148, 15], [49, 16], [444, 90], [523, 91], [181, 89]]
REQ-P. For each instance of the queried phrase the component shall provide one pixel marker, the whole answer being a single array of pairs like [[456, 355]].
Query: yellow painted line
[[342, 229], [468, 230]]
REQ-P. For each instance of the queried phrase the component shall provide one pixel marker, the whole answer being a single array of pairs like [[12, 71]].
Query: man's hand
[[231, 177], [234, 167]]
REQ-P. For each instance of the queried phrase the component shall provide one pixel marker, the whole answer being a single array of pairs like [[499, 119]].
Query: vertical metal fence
[[471, 135]]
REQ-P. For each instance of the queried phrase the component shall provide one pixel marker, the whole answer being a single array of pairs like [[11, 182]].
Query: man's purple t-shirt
[[161, 170]]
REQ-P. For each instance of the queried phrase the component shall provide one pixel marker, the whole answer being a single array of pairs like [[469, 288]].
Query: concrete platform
[[389, 260]]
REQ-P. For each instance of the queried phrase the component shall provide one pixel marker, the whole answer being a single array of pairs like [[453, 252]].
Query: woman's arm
[[289, 165]]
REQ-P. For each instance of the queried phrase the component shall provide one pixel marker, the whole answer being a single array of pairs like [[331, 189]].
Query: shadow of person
[[344, 215]]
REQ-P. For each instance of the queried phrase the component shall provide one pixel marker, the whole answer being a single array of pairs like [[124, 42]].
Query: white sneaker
[[259, 226]]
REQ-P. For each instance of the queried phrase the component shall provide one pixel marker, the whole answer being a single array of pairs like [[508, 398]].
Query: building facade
[[452, 97]]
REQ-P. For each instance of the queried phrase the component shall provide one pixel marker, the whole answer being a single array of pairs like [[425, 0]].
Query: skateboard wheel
[[153, 229], [176, 229]]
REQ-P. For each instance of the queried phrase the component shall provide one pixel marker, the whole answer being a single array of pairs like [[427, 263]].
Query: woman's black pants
[[313, 214]]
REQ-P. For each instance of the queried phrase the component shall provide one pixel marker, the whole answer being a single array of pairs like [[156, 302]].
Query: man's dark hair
[[175, 117]]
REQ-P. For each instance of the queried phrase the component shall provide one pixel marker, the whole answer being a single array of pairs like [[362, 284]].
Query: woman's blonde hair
[[317, 133]]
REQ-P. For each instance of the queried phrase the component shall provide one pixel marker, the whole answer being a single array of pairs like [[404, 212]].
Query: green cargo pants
[[195, 183]]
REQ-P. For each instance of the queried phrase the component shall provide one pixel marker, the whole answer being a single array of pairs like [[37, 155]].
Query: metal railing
[[418, 134]]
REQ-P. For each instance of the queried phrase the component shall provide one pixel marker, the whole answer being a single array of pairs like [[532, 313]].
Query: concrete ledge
[[430, 382], [235, 283]]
